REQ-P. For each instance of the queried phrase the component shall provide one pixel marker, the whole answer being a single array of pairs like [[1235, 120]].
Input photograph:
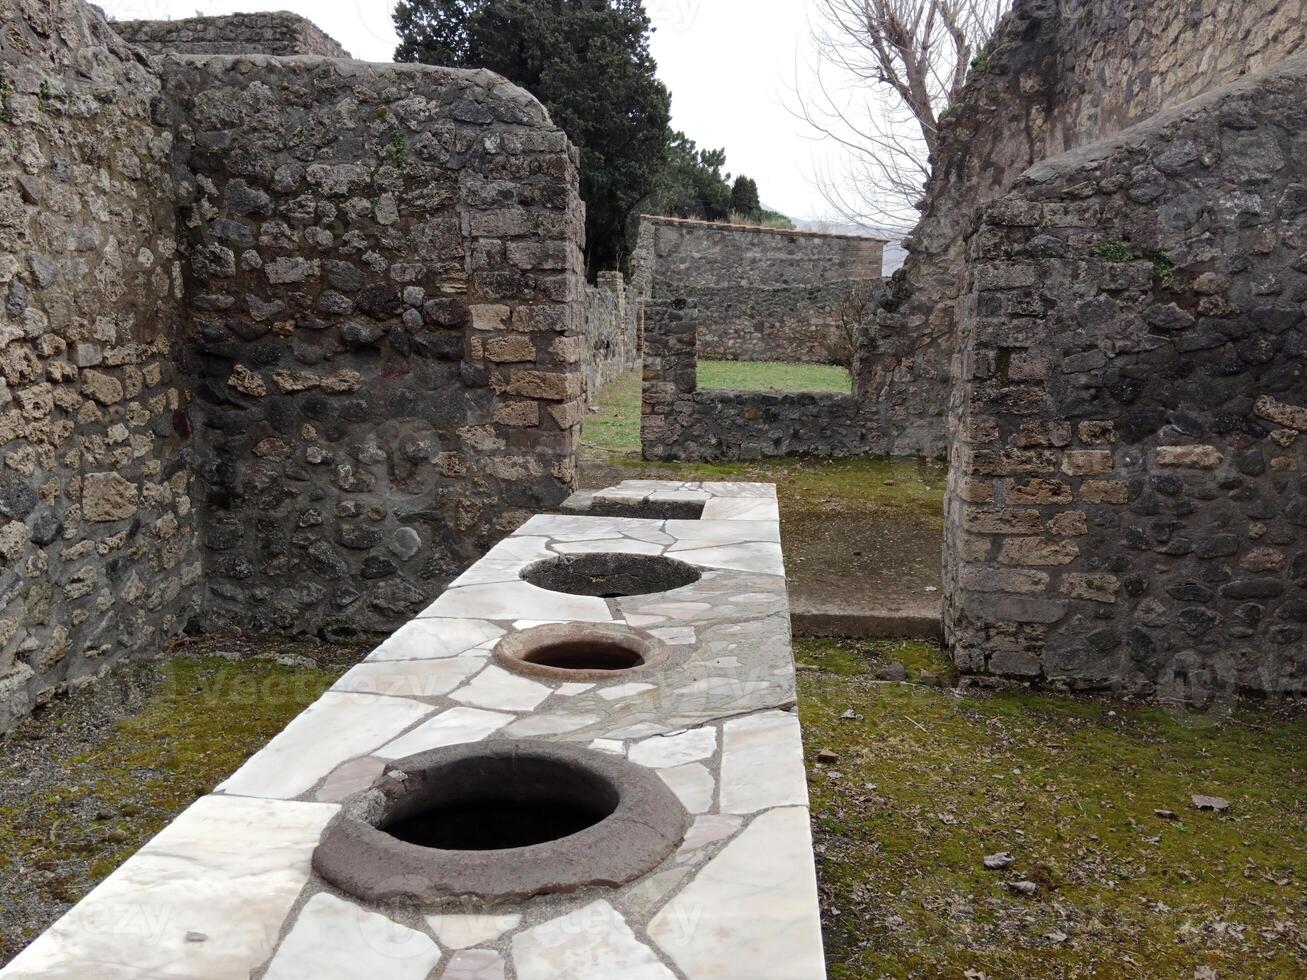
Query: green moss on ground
[[928, 782], [202, 717], [774, 376]]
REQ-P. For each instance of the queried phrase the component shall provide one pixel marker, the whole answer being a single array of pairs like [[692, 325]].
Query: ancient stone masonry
[[98, 555], [1128, 486], [765, 294], [263, 33], [678, 421], [387, 336], [613, 315], [333, 309], [1058, 74]]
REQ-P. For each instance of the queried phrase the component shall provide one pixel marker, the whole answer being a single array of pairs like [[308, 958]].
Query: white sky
[[728, 63]]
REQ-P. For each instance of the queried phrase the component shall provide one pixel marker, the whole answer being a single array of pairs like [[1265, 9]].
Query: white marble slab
[[756, 556], [337, 940], [592, 943], [666, 751], [204, 899], [463, 931], [409, 678], [497, 689], [693, 785], [518, 600], [751, 913], [723, 532], [762, 763], [628, 546], [430, 639], [475, 964], [741, 509], [334, 729], [457, 726]]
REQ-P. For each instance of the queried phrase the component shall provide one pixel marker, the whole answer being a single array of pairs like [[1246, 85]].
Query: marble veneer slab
[[226, 891], [205, 898]]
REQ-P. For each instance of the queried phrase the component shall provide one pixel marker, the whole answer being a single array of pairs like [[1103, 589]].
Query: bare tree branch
[[898, 65]]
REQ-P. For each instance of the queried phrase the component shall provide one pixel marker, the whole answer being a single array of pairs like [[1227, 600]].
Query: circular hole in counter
[[611, 575], [581, 652], [500, 821]]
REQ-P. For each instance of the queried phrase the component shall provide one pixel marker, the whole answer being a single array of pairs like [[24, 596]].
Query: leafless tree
[[886, 71]]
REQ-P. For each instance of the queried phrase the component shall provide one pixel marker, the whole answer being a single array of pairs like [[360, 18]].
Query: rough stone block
[[1194, 457], [1038, 551]]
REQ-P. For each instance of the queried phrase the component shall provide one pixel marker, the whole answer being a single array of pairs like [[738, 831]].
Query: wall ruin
[[98, 550], [285, 343], [614, 314], [1057, 74], [765, 294], [272, 33], [684, 319], [1128, 352]]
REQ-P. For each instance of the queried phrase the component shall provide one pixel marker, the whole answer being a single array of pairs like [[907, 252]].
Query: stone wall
[[384, 276], [1058, 74], [98, 556], [680, 422], [765, 294], [284, 343], [1128, 492], [263, 33], [613, 315]]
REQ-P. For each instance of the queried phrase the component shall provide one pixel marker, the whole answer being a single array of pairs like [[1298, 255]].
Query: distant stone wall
[[388, 344], [263, 33], [764, 294], [613, 314], [1128, 491], [98, 556], [680, 422]]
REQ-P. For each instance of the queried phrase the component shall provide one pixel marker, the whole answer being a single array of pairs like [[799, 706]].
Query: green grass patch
[[615, 428], [202, 718], [774, 376], [928, 782]]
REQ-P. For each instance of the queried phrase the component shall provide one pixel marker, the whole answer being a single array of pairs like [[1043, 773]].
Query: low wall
[[764, 294], [98, 555], [1127, 501], [613, 315], [680, 422], [263, 33]]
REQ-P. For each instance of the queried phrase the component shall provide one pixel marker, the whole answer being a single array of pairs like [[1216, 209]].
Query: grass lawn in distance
[[774, 376]]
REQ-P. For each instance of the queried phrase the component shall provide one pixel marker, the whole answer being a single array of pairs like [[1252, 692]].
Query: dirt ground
[[862, 537]]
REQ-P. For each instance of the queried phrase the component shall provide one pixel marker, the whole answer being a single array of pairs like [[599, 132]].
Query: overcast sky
[[729, 64]]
